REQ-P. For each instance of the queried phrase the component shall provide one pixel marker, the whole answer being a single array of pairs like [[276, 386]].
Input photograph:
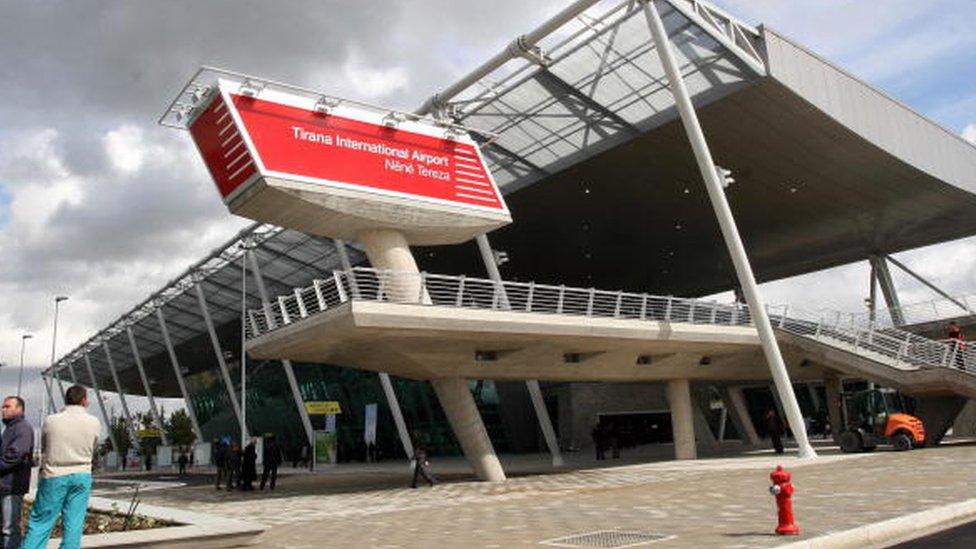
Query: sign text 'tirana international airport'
[[338, 169]]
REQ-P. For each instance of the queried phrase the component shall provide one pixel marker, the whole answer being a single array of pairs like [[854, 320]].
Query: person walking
[[182, 461], [270, 461], [220, 462], [16, 450], [70, 439], [774, 429], [249, 466], [232, 464], [421, 465]]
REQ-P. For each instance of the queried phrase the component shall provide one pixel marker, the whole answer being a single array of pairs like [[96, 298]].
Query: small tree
[[120, 432], [147, 445], [179, 428]]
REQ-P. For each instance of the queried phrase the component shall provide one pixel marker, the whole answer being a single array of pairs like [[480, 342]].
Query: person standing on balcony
[[16, 450], [958, 341], [70, 439]]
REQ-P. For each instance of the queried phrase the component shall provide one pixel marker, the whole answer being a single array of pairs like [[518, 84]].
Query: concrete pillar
[[834, 386], [735, 402], [388, 249], [682, 418], [462, 413]]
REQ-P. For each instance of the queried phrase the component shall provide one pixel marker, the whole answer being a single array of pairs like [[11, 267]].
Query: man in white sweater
[[70, 438]]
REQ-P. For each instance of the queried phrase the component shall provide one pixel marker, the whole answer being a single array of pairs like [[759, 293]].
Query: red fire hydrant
[[782, 488]]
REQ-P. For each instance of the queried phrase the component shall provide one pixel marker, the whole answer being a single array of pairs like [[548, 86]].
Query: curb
[[893, 531]]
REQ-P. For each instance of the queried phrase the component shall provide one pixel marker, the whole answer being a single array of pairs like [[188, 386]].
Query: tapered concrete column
[[834, 386], [735, 403], [462, 413], [682, 419], [388, 249]]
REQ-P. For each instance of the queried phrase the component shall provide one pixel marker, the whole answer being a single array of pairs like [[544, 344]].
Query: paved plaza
[[712, 502]]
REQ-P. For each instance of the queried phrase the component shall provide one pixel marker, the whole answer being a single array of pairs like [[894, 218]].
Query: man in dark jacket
[[16, 452], [249, 466], [270, 461]]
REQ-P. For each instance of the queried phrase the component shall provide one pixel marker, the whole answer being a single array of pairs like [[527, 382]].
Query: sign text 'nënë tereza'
[[397, 159]]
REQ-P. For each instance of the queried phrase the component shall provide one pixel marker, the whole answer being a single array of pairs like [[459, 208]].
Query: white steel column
[[101, 406], [225, 374], [50, 396], [880, 266], [286, 364], [118, 389], [60, 385], [727, 224], [157, 419], [385, 381], [179, 375], [535, 392], [71, 372]]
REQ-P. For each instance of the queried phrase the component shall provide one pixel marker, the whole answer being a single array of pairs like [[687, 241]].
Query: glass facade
[[271, 408]]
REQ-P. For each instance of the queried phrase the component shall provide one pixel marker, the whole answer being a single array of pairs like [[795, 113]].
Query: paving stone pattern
[[707, 503]]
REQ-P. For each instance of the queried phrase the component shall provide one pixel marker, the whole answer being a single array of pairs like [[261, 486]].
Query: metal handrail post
[[319, 296], [531, 296], [589, 303], [459, 300], [667, 309], [342, 291], [643, 309], [616, 308], [728, 227], [559, 303]]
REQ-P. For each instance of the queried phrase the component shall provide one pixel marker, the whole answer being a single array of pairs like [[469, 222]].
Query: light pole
[[54, 343], [20, 377]]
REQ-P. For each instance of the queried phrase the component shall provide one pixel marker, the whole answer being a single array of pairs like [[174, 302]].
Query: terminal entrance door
[[639, 428]]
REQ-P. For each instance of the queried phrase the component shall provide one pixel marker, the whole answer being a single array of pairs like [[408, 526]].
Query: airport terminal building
[[602, 271]]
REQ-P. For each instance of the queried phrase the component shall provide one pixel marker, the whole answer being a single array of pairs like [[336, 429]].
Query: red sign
[[243, 138]]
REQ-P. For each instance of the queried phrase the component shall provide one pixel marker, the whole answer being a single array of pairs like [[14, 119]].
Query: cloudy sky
[[100, 204]]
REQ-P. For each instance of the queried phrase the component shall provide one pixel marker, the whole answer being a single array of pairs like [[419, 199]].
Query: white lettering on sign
[[304, 135], [398, 158]]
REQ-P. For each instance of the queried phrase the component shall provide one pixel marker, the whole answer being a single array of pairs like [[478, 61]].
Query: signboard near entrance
[[323, 407], [336, 169]]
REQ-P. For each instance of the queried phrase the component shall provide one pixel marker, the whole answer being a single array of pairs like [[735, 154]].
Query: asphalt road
[[958, 538]]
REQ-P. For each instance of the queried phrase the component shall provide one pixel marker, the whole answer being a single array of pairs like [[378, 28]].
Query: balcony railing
[[885, 344]]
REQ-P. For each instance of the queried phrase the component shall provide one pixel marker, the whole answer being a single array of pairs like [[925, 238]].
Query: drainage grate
[[607, 538]]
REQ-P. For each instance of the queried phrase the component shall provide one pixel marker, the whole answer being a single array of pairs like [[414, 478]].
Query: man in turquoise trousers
[[70, 438]]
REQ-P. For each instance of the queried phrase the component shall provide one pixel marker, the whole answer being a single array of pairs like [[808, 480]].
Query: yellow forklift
[[876, 416]]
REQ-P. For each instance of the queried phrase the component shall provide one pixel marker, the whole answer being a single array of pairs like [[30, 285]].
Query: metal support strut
[[179, 375], [101, 406], [153, 410], [535, 392], [285, 363], [730, 232], [219, 354], [118, 388]]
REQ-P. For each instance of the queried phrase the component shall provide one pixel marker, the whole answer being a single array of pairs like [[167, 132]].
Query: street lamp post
[[54, 343], [20, 376]]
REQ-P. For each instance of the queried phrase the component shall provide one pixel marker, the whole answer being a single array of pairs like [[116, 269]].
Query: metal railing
[[883, 344], [926, 311], [886, 343], [479, 293]]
